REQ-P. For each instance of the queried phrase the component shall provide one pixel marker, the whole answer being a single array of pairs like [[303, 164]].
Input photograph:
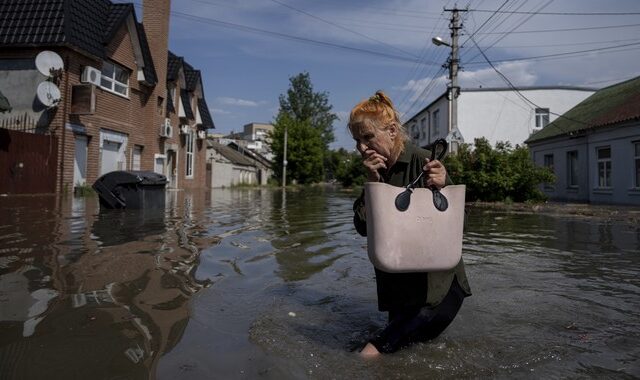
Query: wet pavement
[[257, 283]]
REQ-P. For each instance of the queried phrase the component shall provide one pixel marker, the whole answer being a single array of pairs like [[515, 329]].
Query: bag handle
[[438, 151]]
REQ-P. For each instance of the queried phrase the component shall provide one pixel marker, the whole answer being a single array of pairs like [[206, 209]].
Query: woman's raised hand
[[436, 173], [373, 161]]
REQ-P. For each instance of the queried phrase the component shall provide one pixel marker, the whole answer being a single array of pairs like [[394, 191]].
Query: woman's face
[[380, 141]]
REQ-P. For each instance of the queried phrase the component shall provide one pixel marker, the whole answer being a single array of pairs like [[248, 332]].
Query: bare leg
[[369, 351]]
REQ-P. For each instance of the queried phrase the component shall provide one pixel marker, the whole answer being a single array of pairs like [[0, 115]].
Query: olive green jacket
[[400, 290]]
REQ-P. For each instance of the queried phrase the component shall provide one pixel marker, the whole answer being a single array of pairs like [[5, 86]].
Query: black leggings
[[408, 326]]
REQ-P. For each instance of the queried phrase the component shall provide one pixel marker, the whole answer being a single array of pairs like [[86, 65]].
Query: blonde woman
[[420, 304]]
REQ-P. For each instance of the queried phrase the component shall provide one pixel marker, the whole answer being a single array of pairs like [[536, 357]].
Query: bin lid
[[124, 177]]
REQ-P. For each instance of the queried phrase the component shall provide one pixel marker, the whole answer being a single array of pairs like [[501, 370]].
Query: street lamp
[[439, 41], [454, 138]]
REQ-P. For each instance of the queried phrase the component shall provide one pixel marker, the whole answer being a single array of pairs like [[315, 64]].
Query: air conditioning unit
[[184, 129], [202, 135], [91, 75], [165, 129]]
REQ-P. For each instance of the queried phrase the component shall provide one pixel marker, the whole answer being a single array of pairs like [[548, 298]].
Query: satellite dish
[[48, 94], [48, 60]]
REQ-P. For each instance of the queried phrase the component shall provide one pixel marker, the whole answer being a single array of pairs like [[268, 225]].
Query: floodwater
[[257, 283]]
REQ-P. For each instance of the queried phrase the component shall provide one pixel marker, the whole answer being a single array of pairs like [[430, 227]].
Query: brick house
[[115, 108]]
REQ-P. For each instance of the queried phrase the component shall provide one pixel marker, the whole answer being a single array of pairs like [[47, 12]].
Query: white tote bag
[[419, 239]]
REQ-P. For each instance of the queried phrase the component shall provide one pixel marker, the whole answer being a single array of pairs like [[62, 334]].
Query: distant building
[[497, 114], [594, 148], [228, 167]]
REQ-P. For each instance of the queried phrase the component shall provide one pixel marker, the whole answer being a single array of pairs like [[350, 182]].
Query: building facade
[[106, 105], [497, 114], [594, 148]]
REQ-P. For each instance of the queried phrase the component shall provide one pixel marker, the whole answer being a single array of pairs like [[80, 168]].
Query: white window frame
[[572, 167], [189, 161], [636, 165], [604, 168], [542, 117], [112, 82]]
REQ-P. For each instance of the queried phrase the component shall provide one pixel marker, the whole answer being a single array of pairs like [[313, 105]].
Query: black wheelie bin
[[131, 189]]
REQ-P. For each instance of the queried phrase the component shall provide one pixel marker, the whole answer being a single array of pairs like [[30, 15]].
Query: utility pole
[[453, 90], [284, 160]]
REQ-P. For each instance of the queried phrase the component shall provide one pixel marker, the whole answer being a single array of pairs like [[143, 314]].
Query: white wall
[[504, 116], [496, 114]]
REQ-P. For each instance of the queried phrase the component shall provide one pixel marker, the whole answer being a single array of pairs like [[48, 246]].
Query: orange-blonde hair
[[377, 113]]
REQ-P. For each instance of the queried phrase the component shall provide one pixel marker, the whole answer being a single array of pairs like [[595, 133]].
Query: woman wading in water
[[420, 304]]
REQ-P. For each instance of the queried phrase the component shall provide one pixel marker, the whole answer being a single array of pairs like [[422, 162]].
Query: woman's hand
[[373, 161], [436, 173]]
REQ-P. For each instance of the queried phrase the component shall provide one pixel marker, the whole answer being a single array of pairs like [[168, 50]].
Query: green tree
[[497, 174], [304, 149], [301, 104], [345, 167]]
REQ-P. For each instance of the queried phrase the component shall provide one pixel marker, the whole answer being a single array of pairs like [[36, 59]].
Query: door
[[110, 156], [80, 161], [172, 169]]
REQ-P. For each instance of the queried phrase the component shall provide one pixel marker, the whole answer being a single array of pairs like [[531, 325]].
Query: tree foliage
[[304, 150], [301, 104], [346, 167], [503, 173]]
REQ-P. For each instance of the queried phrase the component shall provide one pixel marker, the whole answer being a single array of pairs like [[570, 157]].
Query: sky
[[248, 49]]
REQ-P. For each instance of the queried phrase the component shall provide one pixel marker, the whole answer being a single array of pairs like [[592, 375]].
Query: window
[[115, 79], [604, 167], [189, 145], [548, 163], [423, 128], [542, 117], [436, 123], [637, 164], [572, 168]]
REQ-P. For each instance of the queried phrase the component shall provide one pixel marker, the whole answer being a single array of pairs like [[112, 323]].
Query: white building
[[497, 114]]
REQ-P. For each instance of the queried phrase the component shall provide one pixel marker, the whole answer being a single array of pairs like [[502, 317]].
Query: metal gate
[[28, 162]]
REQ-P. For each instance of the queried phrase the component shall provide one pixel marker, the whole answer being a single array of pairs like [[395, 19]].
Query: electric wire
[[563, 13], [522, 96], [342, 27]]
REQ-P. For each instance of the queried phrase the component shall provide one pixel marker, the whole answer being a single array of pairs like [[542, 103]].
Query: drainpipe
[[66, 100]]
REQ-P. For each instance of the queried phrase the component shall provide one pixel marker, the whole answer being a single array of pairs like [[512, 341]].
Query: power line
[[251, 29], [554, 55], [567, 29], [342, 27], [522, 95], [563, 13]]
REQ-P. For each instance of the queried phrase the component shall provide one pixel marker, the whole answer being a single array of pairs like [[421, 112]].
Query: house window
[[436, 123], [548, 163], [637, 164], [572, 168], [115, 78], [604, 167], [189, 145], [542, 117], [423, 127]]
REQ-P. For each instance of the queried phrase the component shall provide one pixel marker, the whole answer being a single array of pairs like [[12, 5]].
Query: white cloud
[[219, 111], [519, 73], [227, 101]]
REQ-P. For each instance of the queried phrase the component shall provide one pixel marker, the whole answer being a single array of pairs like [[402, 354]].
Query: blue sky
[[245, 70]]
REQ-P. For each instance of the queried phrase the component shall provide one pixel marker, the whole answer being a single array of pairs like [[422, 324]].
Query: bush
[[497, 174]]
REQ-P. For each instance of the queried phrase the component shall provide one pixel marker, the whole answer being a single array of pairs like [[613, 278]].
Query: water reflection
[[93, 292], [264, 283]]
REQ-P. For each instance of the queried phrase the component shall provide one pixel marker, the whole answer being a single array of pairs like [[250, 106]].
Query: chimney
[[155, 19]]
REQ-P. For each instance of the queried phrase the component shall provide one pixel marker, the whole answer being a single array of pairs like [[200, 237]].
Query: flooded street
[[257, 283]]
